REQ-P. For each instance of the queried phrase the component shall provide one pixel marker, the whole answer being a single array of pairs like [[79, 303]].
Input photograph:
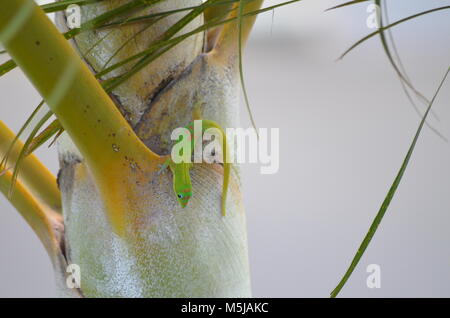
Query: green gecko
[[182, 185]]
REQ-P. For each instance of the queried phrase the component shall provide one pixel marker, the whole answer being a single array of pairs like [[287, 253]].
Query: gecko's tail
[[226, 171], [226, 160], [226, 182]]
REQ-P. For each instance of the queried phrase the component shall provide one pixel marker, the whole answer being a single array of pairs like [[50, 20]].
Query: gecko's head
[[182, 183], [184, 194]]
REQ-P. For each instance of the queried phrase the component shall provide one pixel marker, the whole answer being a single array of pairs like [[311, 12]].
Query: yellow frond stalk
[[39, 181], [108, 144], [227, 46]]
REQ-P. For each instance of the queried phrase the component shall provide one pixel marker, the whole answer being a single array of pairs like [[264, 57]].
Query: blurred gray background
[[345, 127]]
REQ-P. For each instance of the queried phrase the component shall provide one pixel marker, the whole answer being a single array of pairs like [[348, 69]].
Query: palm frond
[[7, 66], [166, 43], [382, 29], [402, 69], [4, 161], [155, 50], [24, 151], [241, 68], [92, 24], [101, 19], [52, 129], [391, 59], [120, 48], [390, 195], [346, 4], [63, 4]]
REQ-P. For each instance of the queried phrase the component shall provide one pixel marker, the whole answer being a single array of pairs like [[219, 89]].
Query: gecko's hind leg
[[163, 167]]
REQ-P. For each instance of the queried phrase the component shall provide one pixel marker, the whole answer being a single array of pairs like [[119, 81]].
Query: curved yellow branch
[[108, 144], [41, 219], [33, 174]]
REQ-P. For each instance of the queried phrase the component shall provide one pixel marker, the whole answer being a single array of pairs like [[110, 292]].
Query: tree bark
[[168, 251]]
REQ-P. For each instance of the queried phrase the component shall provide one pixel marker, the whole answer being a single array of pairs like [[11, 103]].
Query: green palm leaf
[[385, 205]]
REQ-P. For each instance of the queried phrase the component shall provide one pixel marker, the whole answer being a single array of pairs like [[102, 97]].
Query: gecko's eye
[[180, 196]]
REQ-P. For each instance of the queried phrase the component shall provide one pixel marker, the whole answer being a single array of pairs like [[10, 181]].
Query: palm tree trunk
[[167, 251]]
